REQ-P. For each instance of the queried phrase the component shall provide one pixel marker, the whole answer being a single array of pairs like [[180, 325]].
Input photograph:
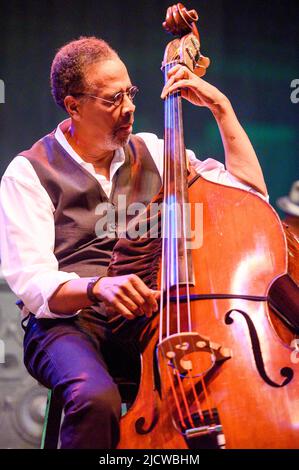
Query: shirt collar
[[117, 160]]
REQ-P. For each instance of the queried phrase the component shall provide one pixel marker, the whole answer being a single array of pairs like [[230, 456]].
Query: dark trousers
[[77, 358]]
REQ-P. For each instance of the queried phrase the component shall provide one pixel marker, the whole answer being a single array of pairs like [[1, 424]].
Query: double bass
[[217, 369]]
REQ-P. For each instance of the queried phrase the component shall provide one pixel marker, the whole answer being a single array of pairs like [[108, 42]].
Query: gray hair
[[70, 62]]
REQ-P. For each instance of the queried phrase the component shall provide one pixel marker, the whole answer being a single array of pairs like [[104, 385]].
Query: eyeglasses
[[117, 99]]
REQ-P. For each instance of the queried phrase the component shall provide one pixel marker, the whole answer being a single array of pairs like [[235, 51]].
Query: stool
[[51, 427], [53, 414]]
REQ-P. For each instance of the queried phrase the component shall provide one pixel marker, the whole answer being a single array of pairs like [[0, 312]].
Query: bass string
[[164, 282], [167, 239], [182, 161], [164, 261], [173, 232], [170, 250], [179, 151], [177, 222]]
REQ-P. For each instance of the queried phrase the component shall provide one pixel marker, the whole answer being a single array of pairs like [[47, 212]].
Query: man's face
[[100, 122]]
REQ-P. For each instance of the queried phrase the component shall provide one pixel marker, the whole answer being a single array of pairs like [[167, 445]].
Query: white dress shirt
[[27, 232]]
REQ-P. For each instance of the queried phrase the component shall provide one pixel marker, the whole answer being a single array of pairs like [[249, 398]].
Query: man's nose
[[127, 105]]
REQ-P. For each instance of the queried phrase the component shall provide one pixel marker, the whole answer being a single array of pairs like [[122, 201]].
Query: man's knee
[[99, 397]]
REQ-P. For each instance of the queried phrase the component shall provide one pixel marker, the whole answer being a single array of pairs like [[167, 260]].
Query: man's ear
[[72, 106]]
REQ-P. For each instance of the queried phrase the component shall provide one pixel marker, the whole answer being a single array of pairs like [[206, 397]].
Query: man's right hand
[[127, 295]]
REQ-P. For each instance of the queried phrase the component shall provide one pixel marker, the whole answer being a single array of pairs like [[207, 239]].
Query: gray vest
[[80, 246]]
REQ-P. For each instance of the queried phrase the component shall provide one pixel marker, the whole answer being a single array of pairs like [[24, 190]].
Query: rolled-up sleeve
[[211, 169], [215, 171], [27, 239]]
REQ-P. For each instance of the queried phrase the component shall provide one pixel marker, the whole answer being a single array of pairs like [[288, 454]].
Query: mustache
[[127, 122]]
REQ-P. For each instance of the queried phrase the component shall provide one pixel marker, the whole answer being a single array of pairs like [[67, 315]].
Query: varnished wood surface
[[243, 251]]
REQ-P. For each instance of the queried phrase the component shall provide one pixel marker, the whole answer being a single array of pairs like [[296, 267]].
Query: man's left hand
[[194, 89]]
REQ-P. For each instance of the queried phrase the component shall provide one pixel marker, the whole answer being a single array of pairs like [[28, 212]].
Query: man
[[50, 251]]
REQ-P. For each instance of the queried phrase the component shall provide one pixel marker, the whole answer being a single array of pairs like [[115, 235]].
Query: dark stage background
[[253, 46]]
